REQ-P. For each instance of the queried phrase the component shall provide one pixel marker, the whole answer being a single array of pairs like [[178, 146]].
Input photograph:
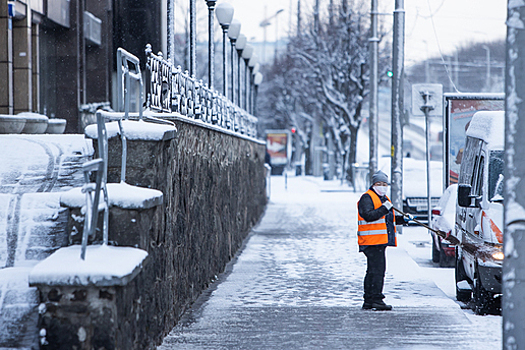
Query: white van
[[479, 213]]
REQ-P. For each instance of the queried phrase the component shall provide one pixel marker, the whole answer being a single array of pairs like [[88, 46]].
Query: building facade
[[57, 56]]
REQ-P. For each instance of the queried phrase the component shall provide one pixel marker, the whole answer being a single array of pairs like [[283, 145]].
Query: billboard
[[458, 112], [278, 146]]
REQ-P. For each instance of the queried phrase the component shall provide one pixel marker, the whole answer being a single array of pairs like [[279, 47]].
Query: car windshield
[[496, 169]]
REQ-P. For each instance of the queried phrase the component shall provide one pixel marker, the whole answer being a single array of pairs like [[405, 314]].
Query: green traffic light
[[389, 73]]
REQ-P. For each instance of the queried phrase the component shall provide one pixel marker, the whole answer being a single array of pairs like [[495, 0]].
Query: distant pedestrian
[[376, 231], [267, 158]]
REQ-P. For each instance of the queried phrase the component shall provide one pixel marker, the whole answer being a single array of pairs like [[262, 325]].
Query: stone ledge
[[120, 195], [104, 266], [135, 130]]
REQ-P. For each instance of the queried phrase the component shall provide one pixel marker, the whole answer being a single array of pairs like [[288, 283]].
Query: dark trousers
[[375, 273]]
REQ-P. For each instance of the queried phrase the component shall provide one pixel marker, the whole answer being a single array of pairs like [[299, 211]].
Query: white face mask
[[381, 190]]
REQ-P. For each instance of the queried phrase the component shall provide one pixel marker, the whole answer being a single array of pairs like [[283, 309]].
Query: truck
[[459, 109], [479, 214]]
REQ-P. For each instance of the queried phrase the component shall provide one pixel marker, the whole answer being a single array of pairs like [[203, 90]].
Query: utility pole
[[398, 61], [264, 24], [373, 114], [513, 303], [487, 78]]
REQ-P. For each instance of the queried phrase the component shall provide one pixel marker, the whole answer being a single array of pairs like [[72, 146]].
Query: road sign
[[434, 100]]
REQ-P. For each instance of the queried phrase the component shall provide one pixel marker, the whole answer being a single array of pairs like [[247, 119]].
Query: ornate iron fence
[[191, 98]]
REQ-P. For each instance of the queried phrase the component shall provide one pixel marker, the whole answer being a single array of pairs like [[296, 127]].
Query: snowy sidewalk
[[297, 284]]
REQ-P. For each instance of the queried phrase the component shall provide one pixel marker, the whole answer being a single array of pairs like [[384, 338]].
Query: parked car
[[443, 219], [415, 185], [479, 213]]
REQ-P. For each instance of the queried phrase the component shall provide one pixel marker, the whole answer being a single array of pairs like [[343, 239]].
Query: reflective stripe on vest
[[374, 232]]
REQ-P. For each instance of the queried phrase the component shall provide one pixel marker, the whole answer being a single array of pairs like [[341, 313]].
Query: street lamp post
[[171, 32], [224, 14], [251, 65], [211, 49], [277, 32], [233, 34], [193, 38], [246, 55], [257, 80], [254, 93], [241, 44]]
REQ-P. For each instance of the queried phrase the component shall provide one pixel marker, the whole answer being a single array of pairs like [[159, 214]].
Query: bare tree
[[324, 75]]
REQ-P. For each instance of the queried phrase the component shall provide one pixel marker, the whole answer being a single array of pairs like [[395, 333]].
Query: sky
[[432, 26]]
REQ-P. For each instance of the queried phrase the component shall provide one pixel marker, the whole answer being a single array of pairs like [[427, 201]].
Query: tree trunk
[[352, 155], [308, 164]]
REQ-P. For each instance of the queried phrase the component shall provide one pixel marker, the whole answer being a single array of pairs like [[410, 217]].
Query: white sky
[[456, 22]]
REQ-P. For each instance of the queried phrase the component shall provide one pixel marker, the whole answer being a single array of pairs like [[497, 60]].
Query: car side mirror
[[464, 195]]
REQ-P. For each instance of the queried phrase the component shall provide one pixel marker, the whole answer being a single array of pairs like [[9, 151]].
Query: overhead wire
[[439, 47]]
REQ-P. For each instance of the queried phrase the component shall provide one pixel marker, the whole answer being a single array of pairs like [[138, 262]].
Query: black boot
[[367, 305], [380, 306]]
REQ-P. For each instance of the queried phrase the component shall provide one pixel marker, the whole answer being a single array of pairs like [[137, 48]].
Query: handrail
[[92, 201], [124, 75], [102, 116], [103, 153]]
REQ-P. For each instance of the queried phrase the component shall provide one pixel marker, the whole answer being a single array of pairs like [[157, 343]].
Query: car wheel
[[461, 294], [445, 260], [435, 250], [485, 302]]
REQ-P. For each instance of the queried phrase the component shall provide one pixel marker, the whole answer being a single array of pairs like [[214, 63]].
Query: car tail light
[[436, 211]]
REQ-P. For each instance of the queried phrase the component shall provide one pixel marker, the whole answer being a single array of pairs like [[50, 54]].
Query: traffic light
[[389, 73], [294, 130]]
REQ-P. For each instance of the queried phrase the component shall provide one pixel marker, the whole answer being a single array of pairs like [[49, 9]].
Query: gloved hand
[[388, 205], [409, 217]]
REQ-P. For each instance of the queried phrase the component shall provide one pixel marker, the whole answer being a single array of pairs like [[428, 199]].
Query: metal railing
[[159, 77], [128, 68], [93, 207], [191, 98]]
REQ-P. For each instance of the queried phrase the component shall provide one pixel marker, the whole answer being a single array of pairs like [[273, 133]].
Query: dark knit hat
[[380, 176]]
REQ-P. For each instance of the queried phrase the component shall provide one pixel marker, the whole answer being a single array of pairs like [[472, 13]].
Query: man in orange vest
[[375, 232]]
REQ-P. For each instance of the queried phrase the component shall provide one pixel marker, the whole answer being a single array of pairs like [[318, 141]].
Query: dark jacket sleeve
[[400, 220], [367, 211]]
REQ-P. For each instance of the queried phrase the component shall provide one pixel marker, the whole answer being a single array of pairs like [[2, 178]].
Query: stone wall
[[214, 192]]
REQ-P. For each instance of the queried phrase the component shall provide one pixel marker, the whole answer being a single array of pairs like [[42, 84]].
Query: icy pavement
[[33, 170], [297, 284]]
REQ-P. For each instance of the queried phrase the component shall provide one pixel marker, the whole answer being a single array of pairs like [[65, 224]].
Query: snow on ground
[[297, 284], [33, 170]]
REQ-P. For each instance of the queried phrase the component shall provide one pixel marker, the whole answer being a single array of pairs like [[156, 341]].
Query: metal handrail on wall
[[192, 98], [93, 207], [128, 68]]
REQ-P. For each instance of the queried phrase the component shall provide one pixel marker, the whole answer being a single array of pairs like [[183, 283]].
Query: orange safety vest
[[374, 232]]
